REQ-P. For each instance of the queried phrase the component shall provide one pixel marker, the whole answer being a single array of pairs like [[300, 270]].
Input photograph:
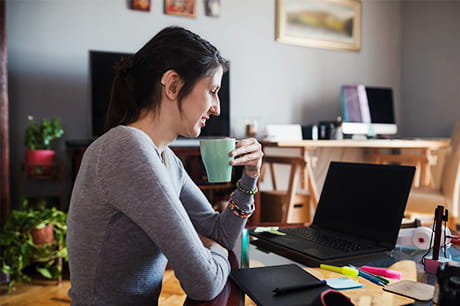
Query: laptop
[[359, 213]]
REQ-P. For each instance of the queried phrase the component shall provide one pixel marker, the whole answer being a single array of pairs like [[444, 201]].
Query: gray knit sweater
[[130, 214]]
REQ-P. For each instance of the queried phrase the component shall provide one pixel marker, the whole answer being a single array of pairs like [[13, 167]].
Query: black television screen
[[101, 76]]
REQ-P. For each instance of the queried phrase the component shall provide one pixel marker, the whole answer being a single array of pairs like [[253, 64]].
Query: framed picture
[[185, 8], [141, 5], [212, 8], [329, 24]]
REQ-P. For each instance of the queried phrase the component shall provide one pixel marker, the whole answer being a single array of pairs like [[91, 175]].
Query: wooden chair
[[284, 206], [403, 159], [424, 200]]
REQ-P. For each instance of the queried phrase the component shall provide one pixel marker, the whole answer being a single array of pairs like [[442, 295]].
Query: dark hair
[[137, 82]]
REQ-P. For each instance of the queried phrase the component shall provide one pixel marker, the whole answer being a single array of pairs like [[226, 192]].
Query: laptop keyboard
[[327, 239]]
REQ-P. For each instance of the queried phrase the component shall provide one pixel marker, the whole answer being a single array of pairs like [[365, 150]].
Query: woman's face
[[202, 103]]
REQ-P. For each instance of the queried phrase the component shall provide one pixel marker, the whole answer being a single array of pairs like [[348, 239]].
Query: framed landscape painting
[[329, 24]]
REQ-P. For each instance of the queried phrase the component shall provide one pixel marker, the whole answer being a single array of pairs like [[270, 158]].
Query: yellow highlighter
[[348, 271]]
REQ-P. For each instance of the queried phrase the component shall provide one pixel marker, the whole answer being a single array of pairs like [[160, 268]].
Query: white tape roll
[[421, 238]]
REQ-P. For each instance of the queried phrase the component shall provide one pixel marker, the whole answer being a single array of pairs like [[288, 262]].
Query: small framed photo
[[329, 24], [186, 8], [212, 8], [140, 5]]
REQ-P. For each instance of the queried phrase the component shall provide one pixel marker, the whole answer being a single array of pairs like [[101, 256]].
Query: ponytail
[[122, 103]]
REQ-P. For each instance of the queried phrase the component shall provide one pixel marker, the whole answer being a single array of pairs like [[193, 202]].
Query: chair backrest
[[296, 164], [450, 182]]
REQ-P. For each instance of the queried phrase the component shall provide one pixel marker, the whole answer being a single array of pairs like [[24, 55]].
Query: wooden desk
[[371, 294], [359, 151]]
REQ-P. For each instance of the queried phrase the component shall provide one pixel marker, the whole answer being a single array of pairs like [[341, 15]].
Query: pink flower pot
[[39, 162]]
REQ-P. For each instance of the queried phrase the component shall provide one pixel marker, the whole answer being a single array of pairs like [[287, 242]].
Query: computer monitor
[[367, 111]]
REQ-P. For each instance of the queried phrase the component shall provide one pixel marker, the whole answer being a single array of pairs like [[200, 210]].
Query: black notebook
[[259, 283], [359, 213]]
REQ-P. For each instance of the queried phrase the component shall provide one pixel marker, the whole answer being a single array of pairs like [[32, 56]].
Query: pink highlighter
[[382, 272]]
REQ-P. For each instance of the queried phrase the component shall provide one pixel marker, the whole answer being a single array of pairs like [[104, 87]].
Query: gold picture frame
[[328, 24], [186, 8]]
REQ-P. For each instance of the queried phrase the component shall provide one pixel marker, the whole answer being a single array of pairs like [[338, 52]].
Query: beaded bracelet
[[243, 214], [250, 192]]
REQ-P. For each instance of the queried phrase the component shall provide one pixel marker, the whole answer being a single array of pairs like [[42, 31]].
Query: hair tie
[[126, 64]]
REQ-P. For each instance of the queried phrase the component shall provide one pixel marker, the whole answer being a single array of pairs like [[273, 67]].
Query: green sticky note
[[269, 229], [343, 283]]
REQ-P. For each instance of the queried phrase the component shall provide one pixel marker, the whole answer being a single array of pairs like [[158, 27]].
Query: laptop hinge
[[387, 246]]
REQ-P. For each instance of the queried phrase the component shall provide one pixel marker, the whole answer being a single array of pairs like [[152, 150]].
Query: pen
[[287, 289], [369, 277], [383, 279]]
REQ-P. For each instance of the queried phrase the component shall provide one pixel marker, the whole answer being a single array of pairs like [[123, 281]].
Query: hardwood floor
[[47, 293], [38, 292], [171, 291]]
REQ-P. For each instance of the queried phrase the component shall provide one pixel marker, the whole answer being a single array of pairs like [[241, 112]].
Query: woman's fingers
[[248, 153]]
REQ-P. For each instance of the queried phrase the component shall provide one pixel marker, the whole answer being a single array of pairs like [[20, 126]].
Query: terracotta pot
[[43, 235], [39, 162]]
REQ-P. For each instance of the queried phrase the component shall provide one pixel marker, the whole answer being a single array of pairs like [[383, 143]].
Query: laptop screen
[[364, 200]]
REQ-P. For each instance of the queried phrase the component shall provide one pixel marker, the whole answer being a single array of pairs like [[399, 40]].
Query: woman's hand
[[248, 153]]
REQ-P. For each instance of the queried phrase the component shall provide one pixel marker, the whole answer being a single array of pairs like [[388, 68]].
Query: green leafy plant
[[39, 136], [20, 251]]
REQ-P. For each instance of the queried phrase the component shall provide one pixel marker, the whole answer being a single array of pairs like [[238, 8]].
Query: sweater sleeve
[[134, 180], [225, 227]]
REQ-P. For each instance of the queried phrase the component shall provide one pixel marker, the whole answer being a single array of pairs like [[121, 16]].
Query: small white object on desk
[[283, 132]]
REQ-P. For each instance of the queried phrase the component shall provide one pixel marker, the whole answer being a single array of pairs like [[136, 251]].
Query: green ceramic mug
[[215, 154]]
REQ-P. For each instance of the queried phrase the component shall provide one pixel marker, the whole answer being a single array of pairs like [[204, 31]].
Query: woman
[[133, 206]]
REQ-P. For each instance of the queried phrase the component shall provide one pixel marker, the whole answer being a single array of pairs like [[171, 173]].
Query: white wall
[[431, 67], [48, 43]]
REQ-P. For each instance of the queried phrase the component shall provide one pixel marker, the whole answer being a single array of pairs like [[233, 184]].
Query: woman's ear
[[171, 83]]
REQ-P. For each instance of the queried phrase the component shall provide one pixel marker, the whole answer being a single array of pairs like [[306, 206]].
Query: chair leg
[[451, 224], [417, 175]]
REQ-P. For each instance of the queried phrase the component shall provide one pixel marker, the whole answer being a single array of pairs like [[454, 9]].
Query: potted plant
[[21, 250], [43, 230], [38, 139]]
